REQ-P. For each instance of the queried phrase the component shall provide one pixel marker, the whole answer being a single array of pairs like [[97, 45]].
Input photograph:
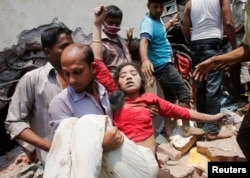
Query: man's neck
[[61, 80], [154, 18], [92, 89]]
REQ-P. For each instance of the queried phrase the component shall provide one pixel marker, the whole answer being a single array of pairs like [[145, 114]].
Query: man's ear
[[93, 66], [148, 5], [47, 52]]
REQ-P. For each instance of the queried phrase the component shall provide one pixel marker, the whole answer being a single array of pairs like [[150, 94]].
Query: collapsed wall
[[18, 59]]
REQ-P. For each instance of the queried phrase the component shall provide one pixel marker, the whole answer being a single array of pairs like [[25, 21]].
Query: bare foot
[[225, 132], [190, 131]]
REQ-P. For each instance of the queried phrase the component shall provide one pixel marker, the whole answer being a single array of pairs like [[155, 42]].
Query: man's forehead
[[64, 38]]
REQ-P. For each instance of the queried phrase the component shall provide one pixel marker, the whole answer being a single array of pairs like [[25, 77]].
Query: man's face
[[55, 52], [78, 74], [156, 9], [112, 26], [113, 21]]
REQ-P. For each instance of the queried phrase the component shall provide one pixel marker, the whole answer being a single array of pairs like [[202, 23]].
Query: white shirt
[[206, 19]]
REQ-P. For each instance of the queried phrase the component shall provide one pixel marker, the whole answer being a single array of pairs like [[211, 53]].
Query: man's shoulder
[[60, 98], [62, 95], [146, 19], [38, 72], [30, 77]]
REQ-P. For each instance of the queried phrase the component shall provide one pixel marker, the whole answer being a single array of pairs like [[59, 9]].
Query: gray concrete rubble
[[27, 55], [194, 160], [15, 164]]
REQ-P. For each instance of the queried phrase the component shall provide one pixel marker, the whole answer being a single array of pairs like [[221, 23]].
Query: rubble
[[224, 150], [12, 167], [181, 143], [169, 150]]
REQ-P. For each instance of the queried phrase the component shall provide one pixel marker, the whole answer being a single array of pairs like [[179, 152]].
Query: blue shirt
[[68, 103], [159, 49]]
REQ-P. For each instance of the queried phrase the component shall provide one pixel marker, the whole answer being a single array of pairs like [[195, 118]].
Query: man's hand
[[153, 110], [129, 33], [112, 139], [100, 13], [202, 69], [147, 68], [175, 18]]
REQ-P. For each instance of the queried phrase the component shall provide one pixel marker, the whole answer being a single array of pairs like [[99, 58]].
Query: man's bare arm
[[147, 67], [228, 22], [187, 20], [31, 137]]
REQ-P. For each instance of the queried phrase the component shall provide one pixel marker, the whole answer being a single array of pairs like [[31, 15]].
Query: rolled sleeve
[[22, 100], [146, 30], [146, 36]]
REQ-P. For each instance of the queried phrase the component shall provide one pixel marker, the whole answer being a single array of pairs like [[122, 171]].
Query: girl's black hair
[[117, 97]]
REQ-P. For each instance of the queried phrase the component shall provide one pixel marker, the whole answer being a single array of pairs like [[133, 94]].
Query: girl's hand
[[219, 118]]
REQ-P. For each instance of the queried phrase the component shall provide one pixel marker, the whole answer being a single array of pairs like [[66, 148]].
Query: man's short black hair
[[113, 12], [50, 36], [88, 54]]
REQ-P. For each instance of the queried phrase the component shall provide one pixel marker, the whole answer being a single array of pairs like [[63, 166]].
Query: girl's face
[[129, 81]]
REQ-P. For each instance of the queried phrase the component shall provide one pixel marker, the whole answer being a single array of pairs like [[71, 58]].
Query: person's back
[[206, 19]]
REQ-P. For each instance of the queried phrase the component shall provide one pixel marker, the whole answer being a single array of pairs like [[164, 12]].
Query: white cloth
[[238, 14], [244, 73], [246, 38], [76, 152]]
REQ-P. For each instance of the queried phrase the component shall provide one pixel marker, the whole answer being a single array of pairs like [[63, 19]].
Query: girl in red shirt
[[131, 114]]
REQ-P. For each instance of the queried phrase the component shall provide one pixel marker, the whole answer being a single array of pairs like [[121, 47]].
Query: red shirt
[[103, 76], [134, 120]]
